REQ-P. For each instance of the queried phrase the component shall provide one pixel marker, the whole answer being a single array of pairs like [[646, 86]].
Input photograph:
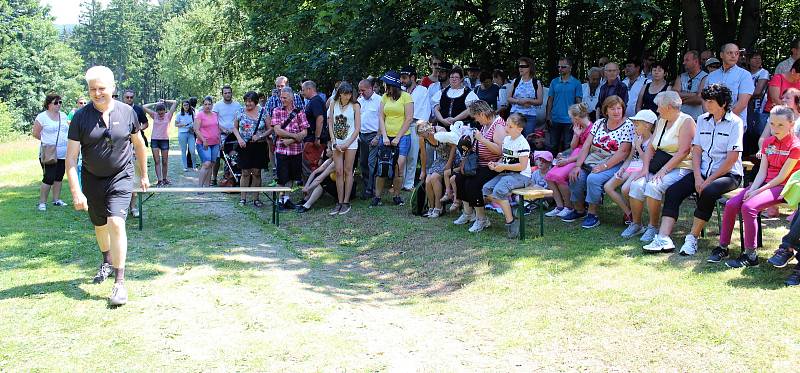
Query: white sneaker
[[659, 245], [42, 207], [479, 225], [632, 230], [464, 219], [135, 212], [554, 212], [59, 203], [649, 234], [435, 213], [564, 212], [689, 245]]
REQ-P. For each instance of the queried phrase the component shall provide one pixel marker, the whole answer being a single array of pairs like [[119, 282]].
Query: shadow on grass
[[69, 288]]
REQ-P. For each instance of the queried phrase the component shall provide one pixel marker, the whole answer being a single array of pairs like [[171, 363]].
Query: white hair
[[100, 73], [668, 98]]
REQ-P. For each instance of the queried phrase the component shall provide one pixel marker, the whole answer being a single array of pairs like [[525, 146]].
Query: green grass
[[215, 287]]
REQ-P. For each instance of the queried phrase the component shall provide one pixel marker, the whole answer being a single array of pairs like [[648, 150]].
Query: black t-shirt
[[140, 115], [314, 108], [106, 150]]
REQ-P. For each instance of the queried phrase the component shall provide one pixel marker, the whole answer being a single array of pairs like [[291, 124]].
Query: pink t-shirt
[[209, 127], [780, 81], [161, 126]]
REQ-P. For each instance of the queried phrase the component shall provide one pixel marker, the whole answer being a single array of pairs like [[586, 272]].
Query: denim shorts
[[159, 144], [208, 155], [404, 146], [500, 186]]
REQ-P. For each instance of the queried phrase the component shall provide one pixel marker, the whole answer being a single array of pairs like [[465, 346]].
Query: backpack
[[419, 202], [384, 164]]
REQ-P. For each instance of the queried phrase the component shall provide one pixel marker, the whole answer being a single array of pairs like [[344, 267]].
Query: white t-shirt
[[514, 149], [455, 93], [759, 75], [422, 106], [226, 113], [633, 93], [590, 100], [50, 132]]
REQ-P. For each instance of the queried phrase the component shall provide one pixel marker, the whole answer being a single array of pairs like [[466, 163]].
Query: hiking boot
[[743, 260], [102, 273], [398, 201], [718, 254], [689, 246], [649, 234], [376, 201], [479, 225], [632, 230], [781, 257], [794, 278], [119, 295], [335, 210], [659, 245], [574, 215], [512, 229], [464, 219], [590, 221], [345, 209]]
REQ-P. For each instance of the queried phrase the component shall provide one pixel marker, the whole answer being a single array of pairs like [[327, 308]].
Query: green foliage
[[33, 61], [9, 120]]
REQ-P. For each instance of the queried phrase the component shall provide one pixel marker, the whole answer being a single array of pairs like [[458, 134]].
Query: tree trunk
[[693, 25], [749, 26], [717, 21], [552, 52], [526, 29]]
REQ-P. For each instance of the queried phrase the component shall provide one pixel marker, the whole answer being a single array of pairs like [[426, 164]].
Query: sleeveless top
[[484, 154], [344, 122], [450, 107], [647, 97], [669, 141], [247, 124], [525, 89]]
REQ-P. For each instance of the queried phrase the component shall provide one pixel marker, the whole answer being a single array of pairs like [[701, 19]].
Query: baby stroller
[[230, 155]]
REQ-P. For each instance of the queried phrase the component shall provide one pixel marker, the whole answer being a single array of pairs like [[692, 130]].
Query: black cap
[[408, 70], [446, 66], [474, 67]]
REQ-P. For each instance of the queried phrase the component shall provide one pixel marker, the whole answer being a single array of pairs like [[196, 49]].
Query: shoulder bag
[[660, 158], [49, 153]]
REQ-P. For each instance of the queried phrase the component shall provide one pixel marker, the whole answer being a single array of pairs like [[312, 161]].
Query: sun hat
[[547, 156], [711, 61], [391, 78], [646, 116]]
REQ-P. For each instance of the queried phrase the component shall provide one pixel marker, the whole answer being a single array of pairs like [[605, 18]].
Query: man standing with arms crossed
[[408, 79], [106, 132], [367, 140], [565, 91]]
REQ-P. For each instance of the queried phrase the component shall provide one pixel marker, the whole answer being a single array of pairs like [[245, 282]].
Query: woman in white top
[[184, 121], [344, 124], [526, 94], [51, 128]]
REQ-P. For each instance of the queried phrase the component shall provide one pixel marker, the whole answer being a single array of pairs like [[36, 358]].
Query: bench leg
[[521, 216], [139, 203], [540, 207], [741, 231], [274, 207], [760, 231]]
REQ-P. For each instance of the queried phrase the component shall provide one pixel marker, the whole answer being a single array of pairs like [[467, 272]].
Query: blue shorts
[[208, 155], [404, 145], [159, 144]]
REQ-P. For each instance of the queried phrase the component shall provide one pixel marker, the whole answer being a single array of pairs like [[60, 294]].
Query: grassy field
[[213, 286]]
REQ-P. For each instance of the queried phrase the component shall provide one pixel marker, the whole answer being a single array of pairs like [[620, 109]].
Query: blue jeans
[[591, 185], [186, 142], [530, 125]]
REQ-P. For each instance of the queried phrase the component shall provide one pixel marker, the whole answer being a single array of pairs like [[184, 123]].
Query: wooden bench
[[535, 194], [265, 190]]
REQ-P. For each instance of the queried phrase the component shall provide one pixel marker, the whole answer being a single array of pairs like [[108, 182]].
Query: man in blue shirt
[[565, 90], [737, 79]]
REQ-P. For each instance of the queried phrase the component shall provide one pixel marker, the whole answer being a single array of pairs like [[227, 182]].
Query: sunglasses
[[129, 97], [523, 66], [81, 102], [106, 134], [56, 102], [114, 96], [563, 66]]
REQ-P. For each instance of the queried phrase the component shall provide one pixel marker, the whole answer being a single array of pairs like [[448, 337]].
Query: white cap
[[646, 116]]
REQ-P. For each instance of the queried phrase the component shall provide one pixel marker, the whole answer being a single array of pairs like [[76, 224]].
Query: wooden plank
[[214, 190], [747, 165], [533, 193]]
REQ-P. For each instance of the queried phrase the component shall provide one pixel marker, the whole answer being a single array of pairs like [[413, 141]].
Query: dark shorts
[[108, 196], [329, 186], [53, 172], [254, 155], [290, 168], [159, 144]]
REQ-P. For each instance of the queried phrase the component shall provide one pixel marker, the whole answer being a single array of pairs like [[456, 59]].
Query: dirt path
[[386, 334]]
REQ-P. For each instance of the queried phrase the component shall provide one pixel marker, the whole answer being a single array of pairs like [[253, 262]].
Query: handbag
[[660, 158], [49, 153], [470, 161]]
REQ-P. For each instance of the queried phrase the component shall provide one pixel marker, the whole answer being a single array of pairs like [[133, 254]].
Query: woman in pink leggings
[[780, 154], [558, 176]]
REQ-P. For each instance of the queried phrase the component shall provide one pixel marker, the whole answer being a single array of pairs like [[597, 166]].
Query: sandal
[[258, 203], [455, 206]]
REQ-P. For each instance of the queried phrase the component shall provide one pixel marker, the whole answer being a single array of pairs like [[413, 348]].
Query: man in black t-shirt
[[318, 134], [106, 132], [128, 98]]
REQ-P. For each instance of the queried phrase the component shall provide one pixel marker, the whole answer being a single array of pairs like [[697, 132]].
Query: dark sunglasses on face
[[563, 66], [114, 96], [523, 66], [129, 97], [56, 102], [82, 103]]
